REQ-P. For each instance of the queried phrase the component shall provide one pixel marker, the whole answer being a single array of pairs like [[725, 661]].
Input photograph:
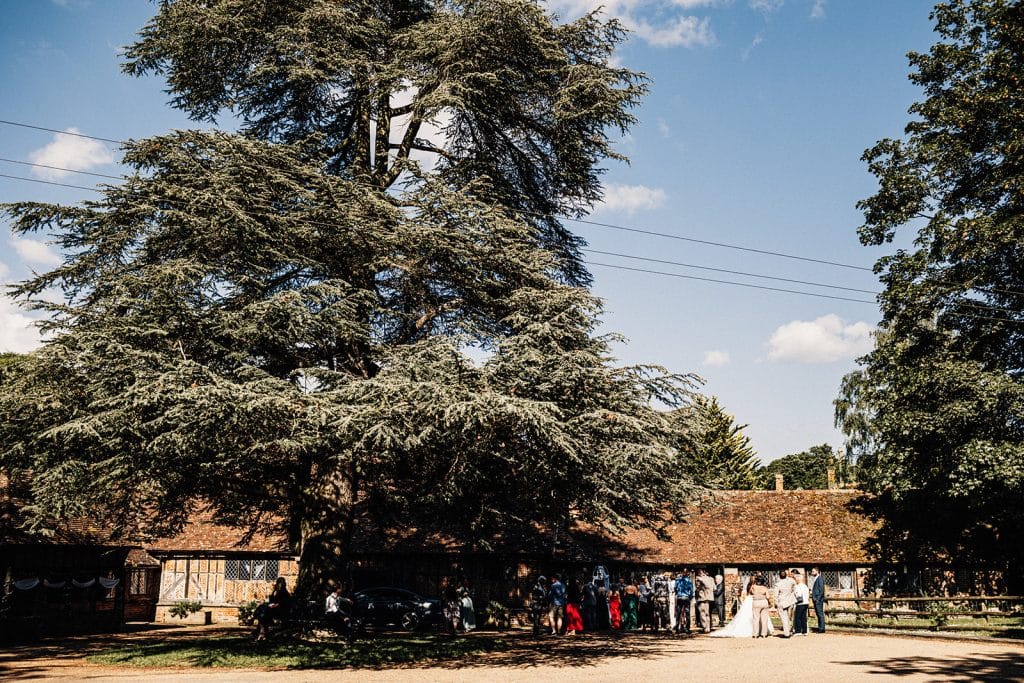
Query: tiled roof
[[734, 527], [754, 528], [76, 531], [203, 535]]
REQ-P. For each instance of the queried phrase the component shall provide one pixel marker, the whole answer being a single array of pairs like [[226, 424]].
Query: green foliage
[[497, 615], [276, 324], [935, 413], [184, 608], [247, 612], [718, 455], [807, 469]]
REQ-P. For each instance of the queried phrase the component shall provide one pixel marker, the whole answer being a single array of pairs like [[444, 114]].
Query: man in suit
[[818, 598], [720, 599], [705, 596], [785, 601]]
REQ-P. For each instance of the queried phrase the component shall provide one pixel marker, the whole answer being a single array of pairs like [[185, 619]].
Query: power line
[[1013, 321], [591, 251], [48, 182], [535, 214], [723, 245], [60, 168], [728, 282], [594, 263], [584, 221], [979, 306], [62, 132], [725, 270]]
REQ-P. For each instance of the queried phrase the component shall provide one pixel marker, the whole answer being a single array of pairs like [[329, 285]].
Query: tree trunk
[[326, 526]]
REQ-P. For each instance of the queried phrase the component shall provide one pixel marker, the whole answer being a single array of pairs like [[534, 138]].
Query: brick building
[[75, 580], [737, 533]]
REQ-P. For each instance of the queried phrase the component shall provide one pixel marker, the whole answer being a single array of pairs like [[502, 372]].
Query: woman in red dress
[[615, 608], [573, 618]]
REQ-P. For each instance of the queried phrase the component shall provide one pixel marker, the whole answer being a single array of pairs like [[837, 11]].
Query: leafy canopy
[[935, 413], [275, 326], [807, 469]]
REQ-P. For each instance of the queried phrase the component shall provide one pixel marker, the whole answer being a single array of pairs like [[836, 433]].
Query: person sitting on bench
[[275, 609]]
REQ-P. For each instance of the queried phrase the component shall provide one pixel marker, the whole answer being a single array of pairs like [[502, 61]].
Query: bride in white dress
[[742, 625]]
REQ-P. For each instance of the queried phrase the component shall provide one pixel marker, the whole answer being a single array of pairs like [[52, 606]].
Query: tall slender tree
[[718, 453], [273, 326], [937, 410]]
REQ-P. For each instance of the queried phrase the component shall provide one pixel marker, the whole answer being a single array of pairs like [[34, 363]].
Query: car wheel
[[410, 621]]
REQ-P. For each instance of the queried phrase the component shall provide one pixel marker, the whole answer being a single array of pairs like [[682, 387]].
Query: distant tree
[[271, 326], [936, 412], [719, 454], [806, 469]]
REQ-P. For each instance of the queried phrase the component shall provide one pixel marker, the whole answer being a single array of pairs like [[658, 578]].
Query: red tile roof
[[203, 535], [734, 527], [756, 528]]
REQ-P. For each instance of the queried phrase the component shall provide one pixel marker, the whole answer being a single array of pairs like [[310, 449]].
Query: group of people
[[791, 597], [656, 602], [661, 603]]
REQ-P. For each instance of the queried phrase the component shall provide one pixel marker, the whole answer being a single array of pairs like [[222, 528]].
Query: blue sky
[[758, 114]]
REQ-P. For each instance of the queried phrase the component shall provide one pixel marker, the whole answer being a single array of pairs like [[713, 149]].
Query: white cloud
[[758, 39], [34, 251], [716, 358], [766, 5], [17, 333], [818, 10], [824, 340], [663, 128], [685, 31], [662, 23], [69, 151], [630, 198]]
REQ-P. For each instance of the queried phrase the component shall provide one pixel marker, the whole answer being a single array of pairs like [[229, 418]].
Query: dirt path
[[831, 657]]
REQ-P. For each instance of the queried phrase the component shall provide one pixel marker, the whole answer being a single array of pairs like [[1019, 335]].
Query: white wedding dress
[[742, 625]]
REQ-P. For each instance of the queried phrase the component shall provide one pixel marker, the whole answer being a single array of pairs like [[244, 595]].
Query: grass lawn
[[244, 652], [996, 627]]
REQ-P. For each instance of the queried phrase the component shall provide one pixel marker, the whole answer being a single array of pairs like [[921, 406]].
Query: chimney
[[778, 483], [831, 474]]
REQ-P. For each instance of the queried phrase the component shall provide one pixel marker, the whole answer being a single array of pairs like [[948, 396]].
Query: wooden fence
[[939, 610]]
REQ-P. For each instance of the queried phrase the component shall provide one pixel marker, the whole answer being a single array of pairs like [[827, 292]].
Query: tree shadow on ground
[[1002, 666], [235, 648], [525, 651], [35, 660]]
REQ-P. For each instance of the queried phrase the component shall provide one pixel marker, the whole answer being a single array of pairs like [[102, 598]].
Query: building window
[[138, 582], [841, 580], [251, 570]]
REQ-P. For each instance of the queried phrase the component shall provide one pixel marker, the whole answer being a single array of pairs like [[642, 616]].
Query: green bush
[[183, 608], [940, 614], [247, 612], [496, 615]]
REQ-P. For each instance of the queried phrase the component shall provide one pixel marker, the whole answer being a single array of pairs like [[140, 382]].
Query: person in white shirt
[[333, 613], [803, 599]]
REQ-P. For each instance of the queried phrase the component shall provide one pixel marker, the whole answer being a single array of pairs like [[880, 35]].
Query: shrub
[[183, 608], [247, 612], [940, 614], [496, 615]]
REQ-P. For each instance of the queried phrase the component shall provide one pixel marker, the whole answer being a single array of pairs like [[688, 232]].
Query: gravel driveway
[[593, 659]]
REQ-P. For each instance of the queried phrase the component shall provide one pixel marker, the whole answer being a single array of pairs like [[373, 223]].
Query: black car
[[396, 607]]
